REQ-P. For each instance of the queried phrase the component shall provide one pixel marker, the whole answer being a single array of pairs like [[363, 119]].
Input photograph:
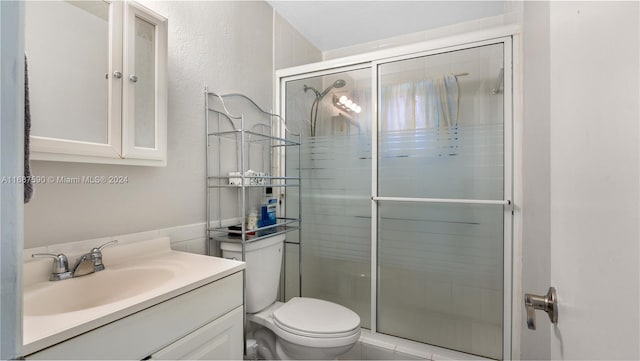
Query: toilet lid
[[308, 316]]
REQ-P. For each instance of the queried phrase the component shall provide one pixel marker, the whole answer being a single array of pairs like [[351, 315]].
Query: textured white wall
[[510, 16], [337, 24], [227, 45], [291, 48]]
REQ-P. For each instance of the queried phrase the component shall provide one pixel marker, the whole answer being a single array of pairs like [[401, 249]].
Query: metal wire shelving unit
[[245, 151]]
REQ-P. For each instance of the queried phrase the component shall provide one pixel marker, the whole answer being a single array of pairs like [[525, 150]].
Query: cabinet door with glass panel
[[97, 82]]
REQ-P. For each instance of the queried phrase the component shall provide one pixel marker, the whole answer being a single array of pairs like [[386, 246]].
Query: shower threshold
[[377, 346]]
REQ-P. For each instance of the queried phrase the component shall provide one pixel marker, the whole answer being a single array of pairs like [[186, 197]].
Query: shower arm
[[313, 116], [317, 93]]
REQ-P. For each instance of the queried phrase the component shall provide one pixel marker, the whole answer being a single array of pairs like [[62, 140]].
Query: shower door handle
[[547, 303]]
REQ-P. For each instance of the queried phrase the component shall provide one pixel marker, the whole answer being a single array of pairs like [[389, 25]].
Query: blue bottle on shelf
[[268, 212]]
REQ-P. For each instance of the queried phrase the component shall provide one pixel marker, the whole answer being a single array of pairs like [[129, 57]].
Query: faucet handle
[[60, 268], [101, 247], [96, 255]]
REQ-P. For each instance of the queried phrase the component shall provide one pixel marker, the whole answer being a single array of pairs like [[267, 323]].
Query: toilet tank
[[264, 261]]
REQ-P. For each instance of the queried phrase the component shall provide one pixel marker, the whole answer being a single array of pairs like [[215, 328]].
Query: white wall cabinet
[[98, 82], [203, 324]]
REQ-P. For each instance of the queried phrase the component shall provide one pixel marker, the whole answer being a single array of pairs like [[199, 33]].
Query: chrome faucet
[[60, 270], [79, 262], [95, 257]]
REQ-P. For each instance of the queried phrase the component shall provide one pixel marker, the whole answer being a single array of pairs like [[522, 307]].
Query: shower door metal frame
[[280, 93], [508, 173], [512, 198]]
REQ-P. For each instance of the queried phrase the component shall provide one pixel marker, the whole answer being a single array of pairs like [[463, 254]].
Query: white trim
[[129, 148], [81, 158], [116, 63], [517, 292], [380, 55], [318, 72], [11, 165], [45, 145], [507, 250]]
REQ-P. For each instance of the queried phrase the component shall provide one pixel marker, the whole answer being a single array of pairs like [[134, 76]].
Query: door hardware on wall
[[547, 303]]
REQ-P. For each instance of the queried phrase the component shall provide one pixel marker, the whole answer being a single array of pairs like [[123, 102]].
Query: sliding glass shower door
[[406, 171], [333, 113], [440, 199]]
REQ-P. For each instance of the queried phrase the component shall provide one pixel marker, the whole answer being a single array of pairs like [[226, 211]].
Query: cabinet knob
[[117, 74], [133, 78]]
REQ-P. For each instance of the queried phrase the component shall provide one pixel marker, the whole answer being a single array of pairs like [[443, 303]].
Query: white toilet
[[302, 328]]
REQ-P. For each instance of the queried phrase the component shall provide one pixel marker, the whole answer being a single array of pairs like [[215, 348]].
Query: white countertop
[[190, 271]]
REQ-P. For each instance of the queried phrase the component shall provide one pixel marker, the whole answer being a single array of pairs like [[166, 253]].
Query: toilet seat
[[316, 318], [299, 312]]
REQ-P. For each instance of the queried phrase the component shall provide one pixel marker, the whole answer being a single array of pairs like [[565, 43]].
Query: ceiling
[[336, 24]]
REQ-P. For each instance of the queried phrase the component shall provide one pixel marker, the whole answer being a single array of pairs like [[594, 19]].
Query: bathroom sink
[[138, 275], [93, 290]]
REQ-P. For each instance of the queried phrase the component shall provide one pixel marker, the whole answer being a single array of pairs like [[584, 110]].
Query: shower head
[[336, 84]]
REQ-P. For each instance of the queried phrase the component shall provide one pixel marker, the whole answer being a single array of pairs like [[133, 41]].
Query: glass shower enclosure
[[406, 186]]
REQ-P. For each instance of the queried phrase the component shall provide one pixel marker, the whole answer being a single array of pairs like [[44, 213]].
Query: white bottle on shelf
[[252, 220]]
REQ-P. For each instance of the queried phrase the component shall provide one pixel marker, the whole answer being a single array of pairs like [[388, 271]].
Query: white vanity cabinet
[[97, 82], [203, 324], [217, 340]]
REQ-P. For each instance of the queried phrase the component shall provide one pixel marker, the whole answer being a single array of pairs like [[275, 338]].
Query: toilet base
[[271, 347]]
